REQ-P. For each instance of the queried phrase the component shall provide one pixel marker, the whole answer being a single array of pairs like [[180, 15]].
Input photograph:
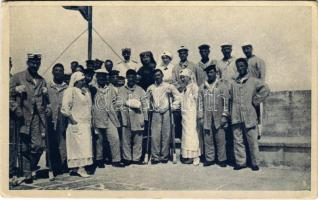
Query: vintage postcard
[[159, 99]]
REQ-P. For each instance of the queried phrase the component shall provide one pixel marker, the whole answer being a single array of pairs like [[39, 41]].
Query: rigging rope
[[111, 48], [68, 46]]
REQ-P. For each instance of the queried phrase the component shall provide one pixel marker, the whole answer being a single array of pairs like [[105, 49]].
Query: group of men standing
[[212, 104]]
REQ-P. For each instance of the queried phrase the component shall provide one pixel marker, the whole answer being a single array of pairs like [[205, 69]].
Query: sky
[[281, 36]]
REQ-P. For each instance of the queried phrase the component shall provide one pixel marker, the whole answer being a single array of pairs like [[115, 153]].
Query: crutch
[[172, 131], [147, 154]]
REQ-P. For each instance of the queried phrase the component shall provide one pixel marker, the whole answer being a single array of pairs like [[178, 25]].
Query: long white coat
[[190, 147], [78, 137]]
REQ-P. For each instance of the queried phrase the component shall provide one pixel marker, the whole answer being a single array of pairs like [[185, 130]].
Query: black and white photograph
[[159, 96]]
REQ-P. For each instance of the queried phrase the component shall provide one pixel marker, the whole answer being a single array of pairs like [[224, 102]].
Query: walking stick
[[18, 141], [46, 138], [147, 154], [172, 130]]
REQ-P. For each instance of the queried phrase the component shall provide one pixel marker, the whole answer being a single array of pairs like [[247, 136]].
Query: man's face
[[183, 55], [88, 78], [73, 66], [126, 55], [211, 75], [146, 59], [90, 66], [121, 82], [204, 53], [241, 68], [227, 51], [158, 77], [131, 80], [108, 66], [166, 60], [113, 79], [58, 73], [248, 51], [101, 79], [185, 79], [34, 65], [138, 79]]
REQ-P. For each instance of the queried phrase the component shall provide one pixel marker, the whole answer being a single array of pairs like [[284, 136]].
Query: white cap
[[246, 44], [185, 72], [166, 53], [183, 48]]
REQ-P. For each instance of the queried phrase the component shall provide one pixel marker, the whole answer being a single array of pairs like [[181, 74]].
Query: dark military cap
[[204, 46], [90, 62], [210, 67], [126, 50], [99, 62], [131, 72], [114, 72], [148, 53]]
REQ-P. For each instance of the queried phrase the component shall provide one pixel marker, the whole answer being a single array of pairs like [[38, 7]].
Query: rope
[[111, 48], [68, 46]]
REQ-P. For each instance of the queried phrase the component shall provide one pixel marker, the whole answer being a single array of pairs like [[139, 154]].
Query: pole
[[90, 27]]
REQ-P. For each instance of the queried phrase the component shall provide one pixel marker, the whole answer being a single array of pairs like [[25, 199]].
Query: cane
[[147, 154], [172, 131]]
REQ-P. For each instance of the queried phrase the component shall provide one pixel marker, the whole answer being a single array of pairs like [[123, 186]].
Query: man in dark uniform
[[58, 122], [29, 90]]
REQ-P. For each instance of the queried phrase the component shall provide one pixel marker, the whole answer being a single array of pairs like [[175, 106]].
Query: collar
[[228, 60], [130, 89], [243, 79], [30, 78], [184, 64], [58, 87], [165, 67], [250, 57], [157, 85], [207, 62], [209, 86]]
